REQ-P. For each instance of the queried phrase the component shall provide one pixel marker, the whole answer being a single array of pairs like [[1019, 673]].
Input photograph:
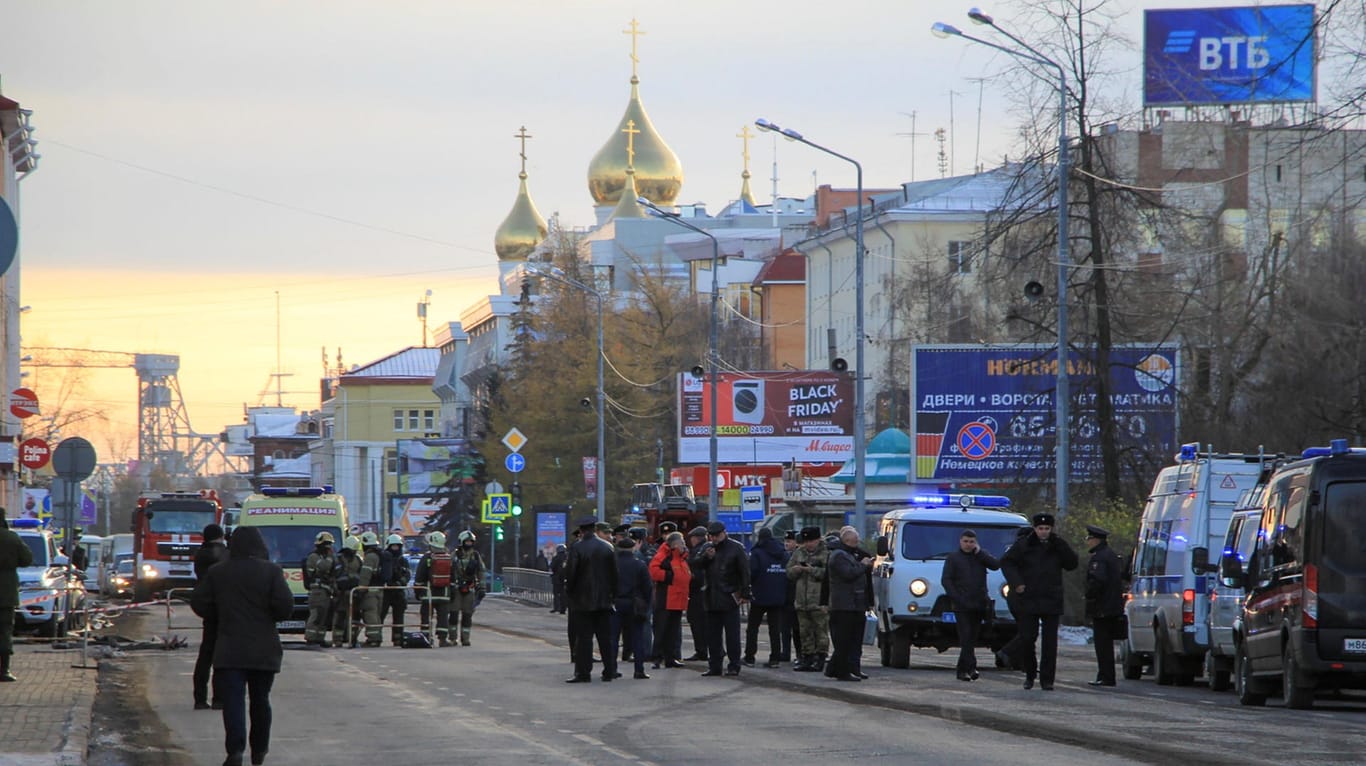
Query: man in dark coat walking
[[725, 568], [246, 595], [1033, 568], [211, 552], [849, 593], [1104, 602], [965, 582], [14, 554], [590, 580], [768, 580]]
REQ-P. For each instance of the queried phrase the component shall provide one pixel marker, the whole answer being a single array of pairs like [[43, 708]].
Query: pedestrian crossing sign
[[500, 505]]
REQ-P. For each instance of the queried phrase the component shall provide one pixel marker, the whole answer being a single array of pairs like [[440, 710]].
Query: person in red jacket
[[670, 568]]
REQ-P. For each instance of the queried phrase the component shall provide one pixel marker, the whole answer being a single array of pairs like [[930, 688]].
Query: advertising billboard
[[424, 464], [767, 417], [987, 413], [1243, 55]]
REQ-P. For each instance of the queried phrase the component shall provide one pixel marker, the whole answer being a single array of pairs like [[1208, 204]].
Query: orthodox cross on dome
[[523, 136], [630, 131], [635, 32], [744, 135]]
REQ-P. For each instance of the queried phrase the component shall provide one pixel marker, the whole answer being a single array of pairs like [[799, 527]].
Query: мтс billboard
[[1244, 55], [987, 413]]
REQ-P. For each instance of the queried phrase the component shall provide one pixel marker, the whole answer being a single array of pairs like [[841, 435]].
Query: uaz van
[[1185, 517], [1226, 594], [912, 608], [1304, 619]]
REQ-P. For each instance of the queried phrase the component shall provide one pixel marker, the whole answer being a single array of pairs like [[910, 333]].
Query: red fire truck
[[167, 531]]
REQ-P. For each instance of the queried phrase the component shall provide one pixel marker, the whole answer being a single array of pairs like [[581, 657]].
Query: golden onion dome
[[659, 174], [627, 204], [523, 228]]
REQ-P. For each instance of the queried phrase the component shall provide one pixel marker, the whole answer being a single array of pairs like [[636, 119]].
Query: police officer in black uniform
[[1104, 602]]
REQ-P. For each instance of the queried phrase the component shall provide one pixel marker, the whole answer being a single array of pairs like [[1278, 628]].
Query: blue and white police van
[[46, 601], [910, 604]]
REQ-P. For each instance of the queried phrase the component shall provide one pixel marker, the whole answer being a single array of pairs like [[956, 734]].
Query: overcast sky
[[200, 156]]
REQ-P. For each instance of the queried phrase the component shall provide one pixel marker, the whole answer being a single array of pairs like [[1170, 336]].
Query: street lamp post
[[711, 344], [1062, 393], [562, 278], [860, 470]]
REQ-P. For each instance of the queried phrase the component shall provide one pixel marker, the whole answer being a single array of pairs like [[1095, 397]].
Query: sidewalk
[[45, 717]]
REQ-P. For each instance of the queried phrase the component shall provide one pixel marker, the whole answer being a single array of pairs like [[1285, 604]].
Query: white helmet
[[437, 540], [393, 540], [352, 543], [368, 539], [466, 535]]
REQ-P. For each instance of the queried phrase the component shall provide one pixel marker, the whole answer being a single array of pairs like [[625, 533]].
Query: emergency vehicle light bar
[[963, 501], [1335, 447], [294, 491], [26, 523]]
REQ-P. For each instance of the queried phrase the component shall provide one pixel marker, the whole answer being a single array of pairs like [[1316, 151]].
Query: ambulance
[[290, 519]]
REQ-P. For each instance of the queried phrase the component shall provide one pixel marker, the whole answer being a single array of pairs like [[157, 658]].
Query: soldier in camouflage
[[807, 568], [320, 582]]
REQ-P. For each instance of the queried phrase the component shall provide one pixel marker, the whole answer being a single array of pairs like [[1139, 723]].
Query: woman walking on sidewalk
[[246, 595]]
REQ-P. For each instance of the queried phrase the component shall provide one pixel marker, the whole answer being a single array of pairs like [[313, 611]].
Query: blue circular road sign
[[515, 463]]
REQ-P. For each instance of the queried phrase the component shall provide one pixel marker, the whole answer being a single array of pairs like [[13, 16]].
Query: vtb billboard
[[988, 413], [767, 417], [1242, 55]]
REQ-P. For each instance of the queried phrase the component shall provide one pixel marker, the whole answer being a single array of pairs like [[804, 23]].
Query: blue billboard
[[1255, 54], [987, 413]]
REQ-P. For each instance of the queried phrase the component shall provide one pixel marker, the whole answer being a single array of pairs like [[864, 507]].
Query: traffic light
[[498, 532], [516, 498]]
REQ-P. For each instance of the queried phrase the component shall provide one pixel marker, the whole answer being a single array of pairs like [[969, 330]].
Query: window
[[960, 257], [412, 420], [428, 420], [398, 420], [391, 461]]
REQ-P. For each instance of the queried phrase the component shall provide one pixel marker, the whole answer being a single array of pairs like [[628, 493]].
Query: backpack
[[442, 567]]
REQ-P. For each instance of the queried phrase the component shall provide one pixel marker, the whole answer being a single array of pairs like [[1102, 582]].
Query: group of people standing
[[631, 595]]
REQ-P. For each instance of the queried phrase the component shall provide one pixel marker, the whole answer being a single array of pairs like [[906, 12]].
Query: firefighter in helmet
[[347, 578], [396, 575], [319, 581], [469, 584], [434, 583], [367, 600]]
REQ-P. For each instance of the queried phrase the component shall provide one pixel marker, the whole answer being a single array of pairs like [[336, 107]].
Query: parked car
[[47, 598], [1303, 627], [1226, 595], [120, 583]]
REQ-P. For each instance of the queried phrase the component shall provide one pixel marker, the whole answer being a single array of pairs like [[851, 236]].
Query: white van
[[116, 547], [1186, 517], [911, 606], [94, 553]]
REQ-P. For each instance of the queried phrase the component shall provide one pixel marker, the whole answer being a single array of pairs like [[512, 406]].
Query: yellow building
[[365, 412]]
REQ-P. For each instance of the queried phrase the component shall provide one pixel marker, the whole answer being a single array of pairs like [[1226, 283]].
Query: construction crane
[[165, 438]]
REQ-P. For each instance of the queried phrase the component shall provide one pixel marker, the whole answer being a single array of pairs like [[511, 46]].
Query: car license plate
[[949, 617], [1355, 645], [290, 624]]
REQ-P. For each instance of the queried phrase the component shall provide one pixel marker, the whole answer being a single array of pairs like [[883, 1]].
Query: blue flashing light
[[963, 501], [294, 491], [26, 523], [1316, 452], [1189, 451], [1338, 446]]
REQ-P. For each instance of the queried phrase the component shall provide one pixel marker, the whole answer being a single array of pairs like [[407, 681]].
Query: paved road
[[504, 699]]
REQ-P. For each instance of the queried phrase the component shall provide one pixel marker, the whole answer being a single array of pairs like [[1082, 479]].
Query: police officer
[[469, 568], [1104, 602], [348, 577], [394, 573], [320, 581], [1033, 567], [433, 596], [371, 576]]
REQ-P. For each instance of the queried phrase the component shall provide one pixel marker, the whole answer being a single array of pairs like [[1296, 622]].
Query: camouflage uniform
[[368, 600], [469, 577], [810, 601], [318, 570], [440, 600]]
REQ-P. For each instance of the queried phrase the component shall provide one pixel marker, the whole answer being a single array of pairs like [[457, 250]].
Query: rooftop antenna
[[775, 182], [953, 167], [422, 310], [943, 157], [911, 136], [279, 395], [977, 147]]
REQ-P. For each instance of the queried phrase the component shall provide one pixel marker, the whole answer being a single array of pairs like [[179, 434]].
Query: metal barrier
[[169, 598], [531, 584], [431, 611]]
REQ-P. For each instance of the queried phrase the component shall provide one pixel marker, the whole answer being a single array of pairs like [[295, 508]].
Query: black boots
[[5, 675]]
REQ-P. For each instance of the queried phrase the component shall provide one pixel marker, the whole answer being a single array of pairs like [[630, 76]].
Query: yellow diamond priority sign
[[514, 440]]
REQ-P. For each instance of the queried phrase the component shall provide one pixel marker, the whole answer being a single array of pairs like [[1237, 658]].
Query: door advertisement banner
[[767, 417], [988, 414]]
